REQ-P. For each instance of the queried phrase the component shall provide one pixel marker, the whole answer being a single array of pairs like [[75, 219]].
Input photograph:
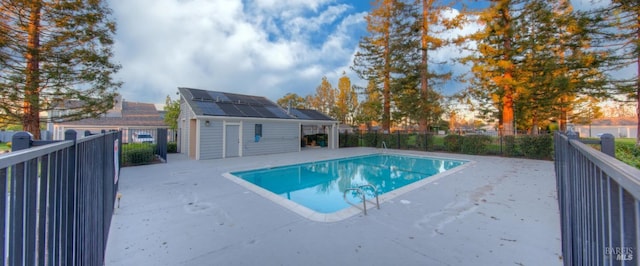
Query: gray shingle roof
[[215, 103], [133, 114]]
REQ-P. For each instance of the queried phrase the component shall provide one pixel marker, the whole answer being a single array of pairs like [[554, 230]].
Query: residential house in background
[[131, 117], [619, 127]]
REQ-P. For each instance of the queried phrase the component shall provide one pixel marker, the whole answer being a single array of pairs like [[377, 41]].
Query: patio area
[[495, 211]]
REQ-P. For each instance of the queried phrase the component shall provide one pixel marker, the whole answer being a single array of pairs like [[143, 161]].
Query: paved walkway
[[496, 211]]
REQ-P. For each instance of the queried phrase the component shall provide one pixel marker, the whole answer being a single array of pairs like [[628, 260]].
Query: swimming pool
[[319, 186]]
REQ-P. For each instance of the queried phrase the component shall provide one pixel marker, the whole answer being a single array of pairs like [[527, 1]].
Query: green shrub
[[536, 147], [453, 143], [137, 153], [5, 146], [172, 147], [475, 144], [353, 140], [349, 140], [628, 153], [391, 140], [510, 146], [370, 139], [423, 141]]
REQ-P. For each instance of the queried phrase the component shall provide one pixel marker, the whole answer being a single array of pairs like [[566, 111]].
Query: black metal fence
[[145, 146], [59, 199], [599, 203], [529, 146]]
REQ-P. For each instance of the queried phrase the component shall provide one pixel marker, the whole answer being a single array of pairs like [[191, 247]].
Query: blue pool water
[[319, 186]]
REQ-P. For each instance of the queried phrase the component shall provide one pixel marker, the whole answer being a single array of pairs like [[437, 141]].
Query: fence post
[[572, 135], [346, 139], [607, 145], [20, 141], [68, 242], [161, 143]]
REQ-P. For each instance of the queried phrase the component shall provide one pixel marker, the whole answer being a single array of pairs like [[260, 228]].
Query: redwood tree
[[56, 56]]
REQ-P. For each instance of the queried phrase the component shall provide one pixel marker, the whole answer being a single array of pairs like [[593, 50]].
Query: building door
[[232, 141], [192, 138]]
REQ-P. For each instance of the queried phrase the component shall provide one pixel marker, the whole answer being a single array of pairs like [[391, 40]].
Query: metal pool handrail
[[362, 195]]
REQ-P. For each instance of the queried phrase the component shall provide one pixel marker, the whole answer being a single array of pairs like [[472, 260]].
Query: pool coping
[[349, 211]]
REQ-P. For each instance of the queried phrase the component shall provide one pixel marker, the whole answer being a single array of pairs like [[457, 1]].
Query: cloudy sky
[[259, 47]]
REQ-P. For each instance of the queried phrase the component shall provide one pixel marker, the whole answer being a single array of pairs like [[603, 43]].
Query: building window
[[258, 132]]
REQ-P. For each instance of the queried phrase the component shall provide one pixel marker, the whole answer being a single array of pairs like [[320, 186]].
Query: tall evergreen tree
[[395, 57], [494, 62], [533, 59], [431, 23], [373, 60], [624, 46], [55, 55]]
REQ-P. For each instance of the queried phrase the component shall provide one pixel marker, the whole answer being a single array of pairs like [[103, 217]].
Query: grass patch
[[4, 146], [628, 153]]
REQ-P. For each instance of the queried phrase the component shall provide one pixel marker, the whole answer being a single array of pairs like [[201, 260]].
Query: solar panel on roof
[[264, 112], [209, 108], [219, 96], [200, 95], [310, 114], [315, 115], [230, 109], [266, 102], [278, 112], [298, 114], [248, 110], [247, 99]]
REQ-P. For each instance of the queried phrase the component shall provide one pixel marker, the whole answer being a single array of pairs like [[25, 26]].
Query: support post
[[21, 140], [607, 145]]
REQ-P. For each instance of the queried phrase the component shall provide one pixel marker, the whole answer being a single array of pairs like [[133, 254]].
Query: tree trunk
[[386, 90], [507, 100], [638, 87], [507, 113], [31, 103], [534, 125], [424, 86]]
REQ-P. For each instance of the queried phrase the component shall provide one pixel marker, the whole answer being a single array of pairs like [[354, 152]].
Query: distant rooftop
[[125, 113], [215, 103], [615, 121]]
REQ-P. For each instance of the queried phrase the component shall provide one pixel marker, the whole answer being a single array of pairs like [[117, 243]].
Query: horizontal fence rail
[[598, 197], [59, 199]]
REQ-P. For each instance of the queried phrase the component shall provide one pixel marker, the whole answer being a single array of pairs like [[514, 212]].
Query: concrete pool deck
[[496, 211]]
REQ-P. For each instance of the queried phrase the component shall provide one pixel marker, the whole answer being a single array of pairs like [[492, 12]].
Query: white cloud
[[589, 4], [259, 47]]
